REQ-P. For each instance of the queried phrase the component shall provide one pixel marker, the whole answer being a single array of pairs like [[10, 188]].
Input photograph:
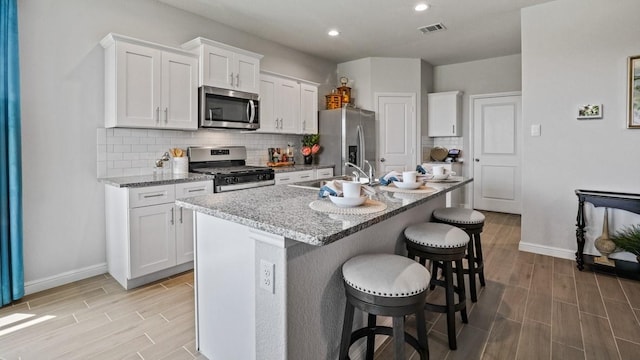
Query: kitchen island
[[268, 281]]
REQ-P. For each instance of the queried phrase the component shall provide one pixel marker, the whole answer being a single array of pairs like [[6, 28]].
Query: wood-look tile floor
[[528, 310]]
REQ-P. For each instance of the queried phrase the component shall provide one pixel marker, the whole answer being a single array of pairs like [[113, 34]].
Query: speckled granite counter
[[284, 210], [154, 180], [299, 167]]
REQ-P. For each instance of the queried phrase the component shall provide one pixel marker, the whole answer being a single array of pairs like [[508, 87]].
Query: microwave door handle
[[251, 111], [210, 114]]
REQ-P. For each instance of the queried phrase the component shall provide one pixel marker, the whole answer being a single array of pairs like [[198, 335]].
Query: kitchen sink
[[317, 184]]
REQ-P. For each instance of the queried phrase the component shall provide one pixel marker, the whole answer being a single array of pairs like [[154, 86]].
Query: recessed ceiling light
[[333, 32], [421, 7]]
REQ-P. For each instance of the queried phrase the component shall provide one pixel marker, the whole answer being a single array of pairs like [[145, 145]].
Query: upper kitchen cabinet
[[225, 66], [444, 114], [288, 105], [308, 108], [149, 85]]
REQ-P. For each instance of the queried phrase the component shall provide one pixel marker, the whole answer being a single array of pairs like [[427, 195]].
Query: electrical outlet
[[267, 276]]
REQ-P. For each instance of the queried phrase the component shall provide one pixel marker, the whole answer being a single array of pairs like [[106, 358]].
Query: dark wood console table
[[613, 200]]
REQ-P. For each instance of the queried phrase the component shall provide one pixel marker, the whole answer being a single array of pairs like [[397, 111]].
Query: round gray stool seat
[[385, 285], [444, 245], [472, 222]]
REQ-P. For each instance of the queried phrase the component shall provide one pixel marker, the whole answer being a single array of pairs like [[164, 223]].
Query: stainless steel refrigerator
[[347, 134]]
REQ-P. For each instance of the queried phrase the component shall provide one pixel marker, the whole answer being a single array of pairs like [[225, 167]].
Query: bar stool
[[472, 222], [385, 285], [444, 245]]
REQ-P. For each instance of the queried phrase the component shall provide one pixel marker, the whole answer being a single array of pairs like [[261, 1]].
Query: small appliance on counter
[[453, 155]]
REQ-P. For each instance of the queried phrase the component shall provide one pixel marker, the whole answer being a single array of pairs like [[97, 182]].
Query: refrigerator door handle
[[361, 146]]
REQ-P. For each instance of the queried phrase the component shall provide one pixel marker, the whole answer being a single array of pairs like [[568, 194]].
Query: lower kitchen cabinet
[[324, 173], [291, 177], [148, 236]]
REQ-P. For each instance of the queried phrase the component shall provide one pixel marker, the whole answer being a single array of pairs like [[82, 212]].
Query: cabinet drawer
[[305, 175], [151, 195], [184, 190], [324, 173], [294, 177]]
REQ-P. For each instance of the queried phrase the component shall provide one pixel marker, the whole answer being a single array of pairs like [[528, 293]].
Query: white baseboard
[[64, 278], [547, 250]]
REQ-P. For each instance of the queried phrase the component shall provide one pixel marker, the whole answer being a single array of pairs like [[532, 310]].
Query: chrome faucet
[[369, 176]]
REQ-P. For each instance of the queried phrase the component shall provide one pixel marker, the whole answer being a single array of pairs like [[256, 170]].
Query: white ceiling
[[376, 28]]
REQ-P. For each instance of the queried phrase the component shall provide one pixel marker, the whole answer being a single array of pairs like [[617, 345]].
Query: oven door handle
[[249, 185], [251, 111]]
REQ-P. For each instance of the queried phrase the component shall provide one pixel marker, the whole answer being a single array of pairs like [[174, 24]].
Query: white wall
[[500, 74], [575, 52], [62, 80]]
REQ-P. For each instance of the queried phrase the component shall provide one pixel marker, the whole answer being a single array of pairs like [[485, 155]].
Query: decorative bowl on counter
[[346, 202], [408, 185]]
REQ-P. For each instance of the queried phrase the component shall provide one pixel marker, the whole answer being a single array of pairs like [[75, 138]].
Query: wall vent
[[432, 28]]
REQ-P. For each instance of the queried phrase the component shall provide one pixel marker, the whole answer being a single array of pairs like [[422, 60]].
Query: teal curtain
[[11, 267]]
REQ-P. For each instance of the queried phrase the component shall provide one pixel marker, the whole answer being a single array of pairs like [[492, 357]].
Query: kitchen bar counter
[[154, 180], [284, 210], [268, 283]]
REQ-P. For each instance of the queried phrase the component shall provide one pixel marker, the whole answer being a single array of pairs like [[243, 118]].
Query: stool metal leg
[[479, 259], [461, 294], [421, 324], [451, 311], [346, 331], [398, 337], [472, 270]]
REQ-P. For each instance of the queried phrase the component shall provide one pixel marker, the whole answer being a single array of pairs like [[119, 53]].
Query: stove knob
[[236, 180], [228, 180], [260, 177]]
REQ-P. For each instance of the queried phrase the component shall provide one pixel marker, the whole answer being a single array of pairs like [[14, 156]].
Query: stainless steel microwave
[[228, 109]]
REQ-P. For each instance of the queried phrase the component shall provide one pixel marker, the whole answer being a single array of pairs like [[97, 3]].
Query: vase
[[604, 244], [308, 159]]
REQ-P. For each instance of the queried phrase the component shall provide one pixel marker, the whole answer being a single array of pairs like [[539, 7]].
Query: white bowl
[[347, 202], [441, 177], [408, 185]]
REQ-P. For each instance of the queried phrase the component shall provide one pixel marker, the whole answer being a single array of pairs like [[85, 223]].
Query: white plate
[[404, 185], [346, 202], [440, 177]]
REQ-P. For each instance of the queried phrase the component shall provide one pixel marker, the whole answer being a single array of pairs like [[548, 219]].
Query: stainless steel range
[[228, 166]]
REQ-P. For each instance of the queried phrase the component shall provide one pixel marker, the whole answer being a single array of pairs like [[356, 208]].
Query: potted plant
[[310, 147], [628, 239]]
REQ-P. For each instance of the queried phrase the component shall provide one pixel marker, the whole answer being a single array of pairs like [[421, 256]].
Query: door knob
[[383, 159], [477, 160]]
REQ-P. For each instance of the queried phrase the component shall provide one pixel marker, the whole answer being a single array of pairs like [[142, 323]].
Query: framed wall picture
[[633, 106], [591, 111]]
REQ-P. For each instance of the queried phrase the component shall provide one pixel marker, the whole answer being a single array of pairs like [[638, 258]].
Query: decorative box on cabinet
[[226, 66], [288, 105], [148, 236], [149, 85], [444, 114]]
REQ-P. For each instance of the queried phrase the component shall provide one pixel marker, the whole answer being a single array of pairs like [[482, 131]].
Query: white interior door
[[497, 138], [397, 130]]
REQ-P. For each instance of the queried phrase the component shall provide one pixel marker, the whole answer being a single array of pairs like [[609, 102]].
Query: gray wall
[[62, 80], [574, 52]]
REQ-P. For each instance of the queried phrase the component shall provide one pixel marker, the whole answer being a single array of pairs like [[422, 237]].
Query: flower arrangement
[[310, 144], [628, 239]]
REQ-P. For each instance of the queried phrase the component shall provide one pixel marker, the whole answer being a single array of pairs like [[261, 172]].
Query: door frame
[[417, 145], [471, 152]]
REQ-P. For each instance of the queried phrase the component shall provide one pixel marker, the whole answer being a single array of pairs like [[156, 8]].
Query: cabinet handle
[[181, 215], [304, 124], [166, 115], [276, 123], [453, 129], [238, 80], [152, 196], [284, 179], [231, 76], [194, 190], [158, 114], [172, 221]]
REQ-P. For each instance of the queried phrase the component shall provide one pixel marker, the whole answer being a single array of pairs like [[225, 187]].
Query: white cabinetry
[[444, 114], [288, 105], [324, 173], [149, 85], [225, 66], [148, 236], [294, 176]]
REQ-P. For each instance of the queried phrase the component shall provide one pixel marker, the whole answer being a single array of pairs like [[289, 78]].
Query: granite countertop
[[299, 167], [154, 180], [284, 210]]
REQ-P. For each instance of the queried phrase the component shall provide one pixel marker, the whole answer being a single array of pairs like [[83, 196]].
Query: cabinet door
[[308, 109], [294, 177], [268, 120], [152, 245], [217, 67], [247, 74], [137, 85], [444, 114], [184, 235], [179, 92], [288, 105]]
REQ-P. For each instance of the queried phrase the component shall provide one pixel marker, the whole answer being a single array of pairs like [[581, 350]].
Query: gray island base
[[268, 279]]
